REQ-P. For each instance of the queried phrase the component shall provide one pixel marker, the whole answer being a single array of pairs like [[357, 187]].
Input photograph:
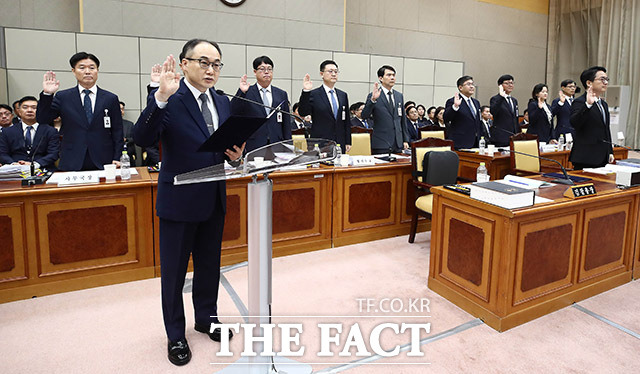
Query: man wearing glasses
[[504, 108], [183, 113], [6, 116], [590, 118], [91, 119], [562, 107], [278, 126], [328, 106], [463, 112]]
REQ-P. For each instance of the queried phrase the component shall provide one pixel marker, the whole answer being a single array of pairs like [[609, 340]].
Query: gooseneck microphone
[[620, 145], [389, 157], [566, 179], [277, 109]]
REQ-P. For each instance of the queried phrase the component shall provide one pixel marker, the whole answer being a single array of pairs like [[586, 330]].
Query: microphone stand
[[389, 157], [277, 109], [566, 179]]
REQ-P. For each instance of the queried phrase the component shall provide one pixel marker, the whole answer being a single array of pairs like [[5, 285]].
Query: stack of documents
[[12, 172], [502, 194]]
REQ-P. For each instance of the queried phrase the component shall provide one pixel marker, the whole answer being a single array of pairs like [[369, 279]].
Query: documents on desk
[[528, 183], [502, 194], [11, 172]]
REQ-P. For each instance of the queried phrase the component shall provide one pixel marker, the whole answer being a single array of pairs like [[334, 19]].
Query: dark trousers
[[202, 240]]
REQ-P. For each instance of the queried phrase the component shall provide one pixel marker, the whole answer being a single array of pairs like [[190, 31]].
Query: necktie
[[27, 138], [472, 108], [604, 118], [510, 104], [364, 121], [87, 105], [334, 103], [265, 100], [206, 113], [391, 100]]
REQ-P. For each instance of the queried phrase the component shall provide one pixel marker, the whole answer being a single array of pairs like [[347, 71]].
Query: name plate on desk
[[362, 160], [75, 178], [579, 191]]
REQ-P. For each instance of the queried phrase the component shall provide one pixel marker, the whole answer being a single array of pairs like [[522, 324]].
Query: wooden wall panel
[[361, 196], [13, 246]]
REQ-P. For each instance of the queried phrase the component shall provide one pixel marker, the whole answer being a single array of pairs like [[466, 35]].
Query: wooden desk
[[508, 267], [499, 165], [56, 239]]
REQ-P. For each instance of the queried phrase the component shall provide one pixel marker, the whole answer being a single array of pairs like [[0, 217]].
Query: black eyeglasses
[[205, 64]]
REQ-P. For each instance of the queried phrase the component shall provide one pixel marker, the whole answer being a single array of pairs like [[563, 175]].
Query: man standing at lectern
[[183, 113]]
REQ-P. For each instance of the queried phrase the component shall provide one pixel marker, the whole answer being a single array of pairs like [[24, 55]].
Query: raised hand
[[49, 83], [562, 96], [376, 91], [307, 85], [244, 85], [155, 73], [591, 96], [169, 80], [457, 100], [501, 91]]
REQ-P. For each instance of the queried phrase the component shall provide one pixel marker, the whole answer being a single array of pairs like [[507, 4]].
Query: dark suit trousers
[[177, 241]]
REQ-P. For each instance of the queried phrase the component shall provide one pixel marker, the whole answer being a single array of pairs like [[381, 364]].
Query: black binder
[[234, 131]]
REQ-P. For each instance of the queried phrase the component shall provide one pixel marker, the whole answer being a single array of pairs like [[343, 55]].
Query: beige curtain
[[584, 33]]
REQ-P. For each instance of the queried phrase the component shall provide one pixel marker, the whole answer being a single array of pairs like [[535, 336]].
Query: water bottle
[[125, 164], [561, 142], [338, 155], [482, 144], [482, 175], [316, 149]]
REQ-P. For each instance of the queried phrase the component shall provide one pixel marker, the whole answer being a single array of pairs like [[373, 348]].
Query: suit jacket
[[505, 121], [356, 122], [539, 123], [563, 116], [463, 126], [592, 133], [78, 135], [325, 126], [45, 146], [182, 129], [271, 131], [414, 133], [486, 132], [389, 129]]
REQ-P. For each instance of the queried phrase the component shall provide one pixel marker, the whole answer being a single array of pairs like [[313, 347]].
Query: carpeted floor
[[118, 329]]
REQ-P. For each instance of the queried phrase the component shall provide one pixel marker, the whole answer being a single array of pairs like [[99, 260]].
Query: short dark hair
[[463, 79], [536, 90], [7, 107], [421, 106], [383, 68], [295, 106], [408, 109], [260, 60], [191, 44], [430, 109], [505, 77], [525, 111], [356, 105], [122, 103], [590, 74], [408, 104], [327, 62], [27, 98], [15, 102], [482, 108], [73, 61], [567, 82]]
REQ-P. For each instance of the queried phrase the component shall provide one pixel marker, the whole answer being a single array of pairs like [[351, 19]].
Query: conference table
[[498, 164], [57, 239], [508, 267]]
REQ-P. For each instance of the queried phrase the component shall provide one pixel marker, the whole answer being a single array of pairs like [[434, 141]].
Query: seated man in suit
[[30, 140], [16, 112], [91, 119], [461, 111], [412, 124], [277, 127], [504, 108], [6, 116], [328, 106], [385, 105], [486, 123], [357, 119]]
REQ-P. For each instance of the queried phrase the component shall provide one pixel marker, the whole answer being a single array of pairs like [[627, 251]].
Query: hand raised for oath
[[307, 85], [169, 80], [244, 85], [50, 84], [376, 92]]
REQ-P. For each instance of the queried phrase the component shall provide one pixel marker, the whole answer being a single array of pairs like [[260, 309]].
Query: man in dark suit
[[562, 107], [357, 119], [6, 117], [504, 108], [485, 123], [297, 122], [277, 127], [462, 112], [590, 118], [385, 105], [412, 124], [127, 131], [183, 114], [328, 106], [30, 140], [91, 119]]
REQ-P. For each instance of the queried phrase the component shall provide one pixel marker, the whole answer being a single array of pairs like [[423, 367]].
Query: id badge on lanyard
[[107, 119]]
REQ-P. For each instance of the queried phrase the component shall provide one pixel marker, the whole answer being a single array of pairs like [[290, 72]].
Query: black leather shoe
[[215, 335], [179, 352]]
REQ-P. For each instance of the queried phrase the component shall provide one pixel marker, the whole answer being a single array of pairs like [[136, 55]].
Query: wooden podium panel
[[57, 239], [508, 267]]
